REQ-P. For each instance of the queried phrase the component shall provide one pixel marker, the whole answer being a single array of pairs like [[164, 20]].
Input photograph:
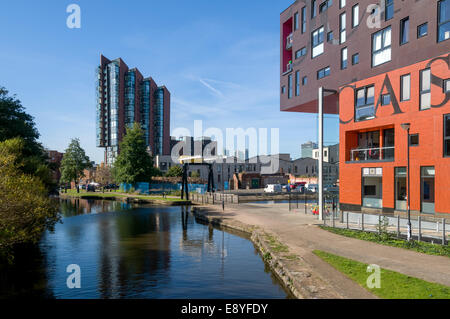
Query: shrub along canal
[[142, 251]]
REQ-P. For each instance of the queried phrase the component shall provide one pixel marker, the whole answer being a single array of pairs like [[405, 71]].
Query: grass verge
[[393, 285], [421, 247], [73, 193]]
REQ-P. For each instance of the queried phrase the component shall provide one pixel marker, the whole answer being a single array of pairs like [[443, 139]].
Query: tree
[[103, 175], [16, 123], [195, 174], [74, 162], [26, 210], [133, 164], [175, 171]]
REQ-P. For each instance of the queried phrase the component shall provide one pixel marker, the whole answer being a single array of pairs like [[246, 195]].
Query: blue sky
[[219, 59]]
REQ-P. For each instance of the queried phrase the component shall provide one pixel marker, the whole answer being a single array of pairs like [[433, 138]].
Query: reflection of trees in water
[[22, 280], [134, 251]]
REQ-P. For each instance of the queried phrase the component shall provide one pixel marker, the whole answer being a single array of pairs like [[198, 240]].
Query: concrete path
[[301, 233]]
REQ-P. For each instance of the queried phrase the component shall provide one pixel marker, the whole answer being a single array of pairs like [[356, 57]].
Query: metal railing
[[372, 154]]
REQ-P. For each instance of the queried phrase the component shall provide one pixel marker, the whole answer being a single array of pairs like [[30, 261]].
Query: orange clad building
[[374, 145]]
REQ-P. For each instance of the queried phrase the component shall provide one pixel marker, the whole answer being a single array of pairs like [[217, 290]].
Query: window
[[385, 99], [296, 21], [317, 42], [303, 19], [355, 58], [341, 4], [342, 22], [355, 15], [313, 9], [323, 73], [300, 53], [325, 5], [389, 11], [381, 47], [330, 36], [427, 189], [400, 188], [447, 135], [370, 190], [443, 20], [405, 90], [422, 30], [446, 86], [304, 80], [425, 89], [283, 89], [343, 58], [290, 86], [404, 31], [414, 139], [364, 106], [297, 83]]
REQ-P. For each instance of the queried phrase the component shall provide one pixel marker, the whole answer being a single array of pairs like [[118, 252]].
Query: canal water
[[134, 251]]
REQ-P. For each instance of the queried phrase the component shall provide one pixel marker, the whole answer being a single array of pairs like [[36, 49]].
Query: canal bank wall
[[290, 268]]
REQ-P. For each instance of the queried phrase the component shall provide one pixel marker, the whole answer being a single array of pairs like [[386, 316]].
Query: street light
[[406, 127]]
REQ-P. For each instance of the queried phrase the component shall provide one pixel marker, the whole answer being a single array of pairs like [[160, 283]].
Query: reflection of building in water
[[134, 251], [197, 246]]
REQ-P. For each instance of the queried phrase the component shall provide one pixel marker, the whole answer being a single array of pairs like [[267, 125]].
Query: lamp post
[[406, 127]]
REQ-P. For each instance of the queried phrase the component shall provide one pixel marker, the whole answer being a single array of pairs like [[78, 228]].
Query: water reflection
[[134, 251]]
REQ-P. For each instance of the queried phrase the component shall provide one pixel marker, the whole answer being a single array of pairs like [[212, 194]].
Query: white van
[[312, 187], [273, 188]]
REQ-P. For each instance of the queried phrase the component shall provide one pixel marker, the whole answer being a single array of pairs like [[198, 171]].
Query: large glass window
[[443, 20], [372, 194], [425, 89], [355, 15], [317, 42], [427, 189], [404, 31], [388, 150], [303, 19], [364, 106], [389, 11], [447, 135], [341, 4], [405, 90], [342, 23], [381, 47], [297, 83]]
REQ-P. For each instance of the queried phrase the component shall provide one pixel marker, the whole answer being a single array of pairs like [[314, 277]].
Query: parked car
[[273, 188], [312, 188], [90, 188]]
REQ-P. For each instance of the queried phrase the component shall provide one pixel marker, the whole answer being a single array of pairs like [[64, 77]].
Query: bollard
[[347, 220], [443, 231], [362, 221], [379, 224], [289, 201], [398, 226], [332, 218], [305, 203], [419, 236]]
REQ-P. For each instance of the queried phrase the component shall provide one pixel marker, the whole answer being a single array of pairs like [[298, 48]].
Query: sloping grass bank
[[108, 195], [421, 247], [393, 285]]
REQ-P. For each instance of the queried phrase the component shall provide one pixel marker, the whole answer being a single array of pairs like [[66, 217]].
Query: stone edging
[[300, 284]]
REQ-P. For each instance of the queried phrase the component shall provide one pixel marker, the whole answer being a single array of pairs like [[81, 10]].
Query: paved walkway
[[301, 234]]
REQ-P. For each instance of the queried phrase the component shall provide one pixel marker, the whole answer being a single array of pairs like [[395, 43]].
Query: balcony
[[289, 41], [372, 154], [288, 69]]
